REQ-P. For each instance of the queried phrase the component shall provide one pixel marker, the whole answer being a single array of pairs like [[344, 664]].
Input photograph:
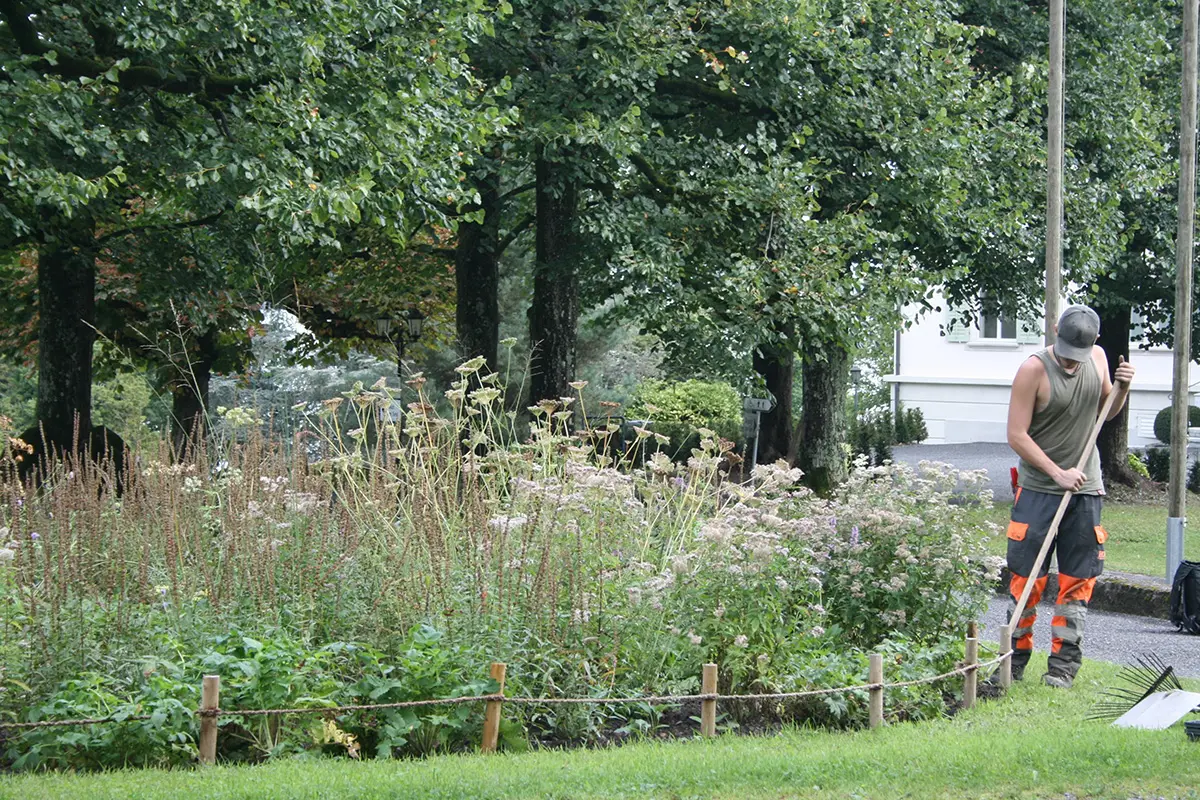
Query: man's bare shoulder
[[1031, 369]]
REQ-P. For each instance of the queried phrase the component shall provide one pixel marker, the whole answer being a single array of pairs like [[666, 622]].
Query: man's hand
[[1070, 480], [1124, 371]]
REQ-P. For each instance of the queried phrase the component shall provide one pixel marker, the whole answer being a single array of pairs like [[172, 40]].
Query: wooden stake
[[875, 675], [210, 700], [1006, 663], [973, 630], [971, 679], [708, 708], [491, 713]]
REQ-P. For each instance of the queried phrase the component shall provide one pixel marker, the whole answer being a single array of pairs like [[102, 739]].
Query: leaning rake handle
[[1014, 622]]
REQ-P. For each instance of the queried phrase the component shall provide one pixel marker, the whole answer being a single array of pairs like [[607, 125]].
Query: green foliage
[[166, 739], [910, 426], [123, 404], [1138, 465], [1193, 477], [18, 395], [1162, 422], [679, 409], [1158, 464]]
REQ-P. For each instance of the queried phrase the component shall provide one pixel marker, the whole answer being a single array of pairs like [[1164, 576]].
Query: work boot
[[1059, 680]]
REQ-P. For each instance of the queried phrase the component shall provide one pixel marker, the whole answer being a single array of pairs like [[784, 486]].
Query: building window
[[994, 323]]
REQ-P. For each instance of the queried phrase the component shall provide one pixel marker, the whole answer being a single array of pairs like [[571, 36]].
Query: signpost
[[752, 410]]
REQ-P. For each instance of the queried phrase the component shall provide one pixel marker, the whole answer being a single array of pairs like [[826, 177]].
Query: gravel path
[[1119, 638]]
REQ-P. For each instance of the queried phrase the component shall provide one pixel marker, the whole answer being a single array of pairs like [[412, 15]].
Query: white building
[[961, 379]]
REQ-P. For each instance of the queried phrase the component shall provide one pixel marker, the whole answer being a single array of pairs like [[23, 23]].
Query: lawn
[[1035, 742], [1137, 534]]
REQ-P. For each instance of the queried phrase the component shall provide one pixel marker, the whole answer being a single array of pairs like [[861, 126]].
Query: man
[[1056, 396]]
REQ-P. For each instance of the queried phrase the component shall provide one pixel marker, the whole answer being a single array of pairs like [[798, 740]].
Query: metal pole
[[1054, 171], [1177, 513]]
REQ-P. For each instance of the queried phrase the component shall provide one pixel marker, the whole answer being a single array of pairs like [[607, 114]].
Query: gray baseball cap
[[1078, 328]]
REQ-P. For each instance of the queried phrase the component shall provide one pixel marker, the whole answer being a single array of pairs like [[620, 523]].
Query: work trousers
[[1079, 548]]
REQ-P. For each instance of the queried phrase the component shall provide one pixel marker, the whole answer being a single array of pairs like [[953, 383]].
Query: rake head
[[1151, 675]]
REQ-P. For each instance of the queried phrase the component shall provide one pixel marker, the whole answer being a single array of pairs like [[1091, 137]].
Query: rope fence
[[210, 711]]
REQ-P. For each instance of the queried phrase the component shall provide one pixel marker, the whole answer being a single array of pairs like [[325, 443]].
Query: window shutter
[[1029, 331], [956, 330]]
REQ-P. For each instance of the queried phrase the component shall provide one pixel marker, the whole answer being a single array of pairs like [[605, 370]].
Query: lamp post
[[855, 374], [414, 324]]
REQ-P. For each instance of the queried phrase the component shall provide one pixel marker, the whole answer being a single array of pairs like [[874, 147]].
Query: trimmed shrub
[[1162, 423], [680, 408], [1158, 464]]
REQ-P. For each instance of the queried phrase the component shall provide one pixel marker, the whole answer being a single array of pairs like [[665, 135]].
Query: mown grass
[[1035, 742], [1137, 534]]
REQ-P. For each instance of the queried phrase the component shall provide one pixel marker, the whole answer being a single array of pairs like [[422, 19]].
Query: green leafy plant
[[679, 409], [1138, 465]]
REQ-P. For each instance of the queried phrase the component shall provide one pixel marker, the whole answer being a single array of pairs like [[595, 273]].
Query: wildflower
[[35, 536], [634, 592], [508, 341], [854, 536], [720, 611], [191, 485], [762, 660], [473, 365], [507, 523], [485, 396], [781, 584], [694, 638], [578, 385], [7, 555], [741, 640], [817, 631]]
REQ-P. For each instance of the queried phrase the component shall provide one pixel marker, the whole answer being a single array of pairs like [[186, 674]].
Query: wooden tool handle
[[1062, 509]]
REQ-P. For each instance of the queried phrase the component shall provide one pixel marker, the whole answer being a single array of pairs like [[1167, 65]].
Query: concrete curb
[[1120, 592]]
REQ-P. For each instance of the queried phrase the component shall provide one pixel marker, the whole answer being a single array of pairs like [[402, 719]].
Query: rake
[[1152, 697]]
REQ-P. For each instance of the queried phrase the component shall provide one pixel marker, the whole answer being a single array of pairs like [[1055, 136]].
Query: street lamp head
[[416, 324], [383, 327], [855, 374]]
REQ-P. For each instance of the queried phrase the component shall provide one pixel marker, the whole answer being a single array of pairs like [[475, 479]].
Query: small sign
[[757, 404], [750, 420]]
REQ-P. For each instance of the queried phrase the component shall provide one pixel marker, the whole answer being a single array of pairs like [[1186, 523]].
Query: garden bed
[[386, 571]]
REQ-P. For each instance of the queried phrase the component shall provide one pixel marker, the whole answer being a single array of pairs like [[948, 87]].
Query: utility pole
[[1054, 170], [1177, 510]]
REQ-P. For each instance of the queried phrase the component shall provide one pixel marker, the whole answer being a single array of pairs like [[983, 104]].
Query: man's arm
[[1124, 375], [1020, 414]]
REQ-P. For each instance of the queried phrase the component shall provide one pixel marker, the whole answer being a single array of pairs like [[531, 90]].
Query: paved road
[[1119, 638]]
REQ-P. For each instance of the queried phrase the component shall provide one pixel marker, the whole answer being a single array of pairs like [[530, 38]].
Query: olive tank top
[[1062, 428]]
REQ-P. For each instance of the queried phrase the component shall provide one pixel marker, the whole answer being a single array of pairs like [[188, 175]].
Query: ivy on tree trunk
[[825, 369], [554, 312]]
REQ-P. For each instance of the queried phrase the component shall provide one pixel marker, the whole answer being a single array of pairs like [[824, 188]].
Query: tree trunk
[[66, 283], [189, 397], [477, 275], [1114, 436], [777, 365], [554, 312], [825, 374]]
